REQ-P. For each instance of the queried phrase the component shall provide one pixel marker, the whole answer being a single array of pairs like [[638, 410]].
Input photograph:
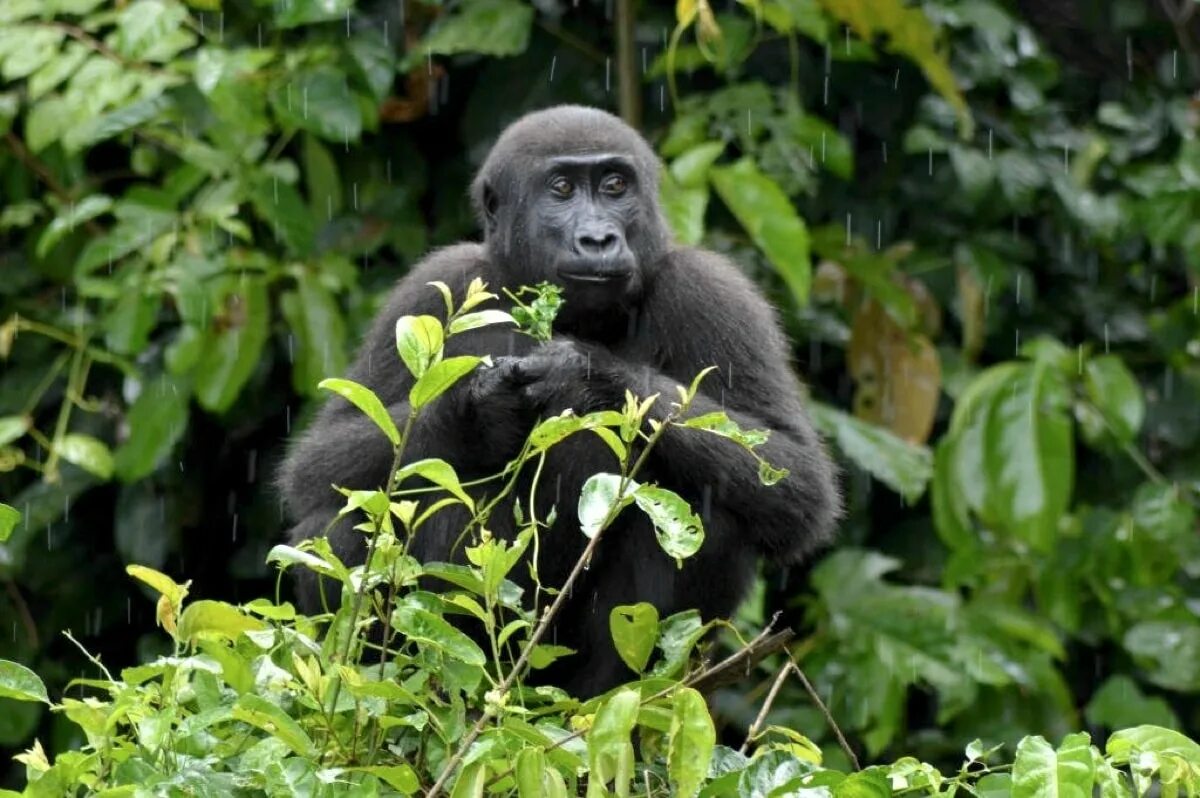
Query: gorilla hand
[[563, 374], [494, 410]]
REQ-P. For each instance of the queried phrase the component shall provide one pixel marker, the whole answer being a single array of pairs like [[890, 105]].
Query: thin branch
[[43, 173], [752, 732], [837, 731]]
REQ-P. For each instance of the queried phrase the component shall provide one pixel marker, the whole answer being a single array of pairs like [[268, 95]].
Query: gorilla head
[[570, 195]]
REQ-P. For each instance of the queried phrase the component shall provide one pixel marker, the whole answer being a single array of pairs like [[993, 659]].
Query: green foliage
[[986, 257]]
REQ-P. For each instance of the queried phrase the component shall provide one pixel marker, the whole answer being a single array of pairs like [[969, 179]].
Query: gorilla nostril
[[597, 244]]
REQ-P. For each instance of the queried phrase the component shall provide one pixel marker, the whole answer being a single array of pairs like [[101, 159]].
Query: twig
[[752, 732], [837, 731], [43, 173], [734, 668]]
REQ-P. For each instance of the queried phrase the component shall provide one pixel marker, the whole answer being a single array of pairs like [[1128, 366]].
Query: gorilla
[[569, 195]]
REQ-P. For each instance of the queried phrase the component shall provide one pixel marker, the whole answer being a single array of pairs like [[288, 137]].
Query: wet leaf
[[904, 467], [233, 347], [9, 518], [320, 101], [419, 341], [440, 473], [597, 499], [1040, 770], [21, 684], [486, 27], [88, 453], [610, 752], [1114, 390], [426, 628], [207, 618], [440, 377], [691, 742], [679, 531], [157, 420], [265, 715], [634, 629], [365, 400]]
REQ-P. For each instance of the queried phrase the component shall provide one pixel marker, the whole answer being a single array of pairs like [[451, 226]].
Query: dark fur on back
[[687, 310]]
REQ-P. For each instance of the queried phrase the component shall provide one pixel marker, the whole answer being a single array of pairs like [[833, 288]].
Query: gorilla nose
[[597, 243]]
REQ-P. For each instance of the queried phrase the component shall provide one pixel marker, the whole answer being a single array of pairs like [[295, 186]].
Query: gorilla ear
[[490, 204]]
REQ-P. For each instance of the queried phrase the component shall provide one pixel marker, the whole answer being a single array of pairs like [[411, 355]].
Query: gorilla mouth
[[603, 273]]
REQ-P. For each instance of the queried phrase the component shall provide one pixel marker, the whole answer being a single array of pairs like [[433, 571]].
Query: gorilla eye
[[614, 185], [562, 187]]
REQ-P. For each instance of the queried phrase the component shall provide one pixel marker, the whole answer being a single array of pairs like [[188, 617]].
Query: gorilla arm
[[700, 312], [344, 447]]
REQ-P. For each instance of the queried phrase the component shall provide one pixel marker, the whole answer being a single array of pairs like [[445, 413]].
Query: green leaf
[[684, 209], [679, 531], [1124, 744], [1040, 771], [765, 212], [690, 169], [483, 27], [419, 341], [207, 618], [164, 584], [974, 170], [322, 179], [597, 500], [440, 473], [718, 422], [634, 629], [544, 654], [401, 778], [439, 378], [71, 217], [678, 634], [9, 518], [610, 752], [233, 351], [132, 318], [536, 778], [470, 781], [365, 400], [320, 333], [1113, 389], [270, 718], [88, 453], [1169, 650], [482, 318], [691, 742], [279, 205], [904, 467], [426, 628], [295, 13], [12, 428], [320, 101], [156, 420], [20, 683], [1029, 454], [1120, 702]]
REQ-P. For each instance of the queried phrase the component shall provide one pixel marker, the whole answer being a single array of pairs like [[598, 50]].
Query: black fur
[[669, 312]]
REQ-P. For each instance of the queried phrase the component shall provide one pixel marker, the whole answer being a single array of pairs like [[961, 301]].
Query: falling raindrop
[[1079, 360], [607, 74], [1019, 275], [825, 93], [879, 234], [355, 190], [1106, 338], [849, 228], [989, 144], [896, 81], [931, 160], [233, 529], [885, 152], [553, 64], [1129, 56]]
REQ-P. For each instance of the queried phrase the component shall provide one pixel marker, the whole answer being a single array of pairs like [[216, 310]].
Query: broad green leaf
[[690, 169], [12, 428], [270, 717], [1122, 745], [20, 683], [482, 318], [88, 453], [365, 400], [289, 555], [904, 467], [9, 518], [536, 778], [375, 59], [157, 420], [483, 27], [765, 212], [974, 170], [322, 180], [279, 204], [419, 341], [1169, 650], [1120, 702], [207, 618], [598, 500], [320, 101], [233, 350], [114, 123], [678, 634], [132, 318], [679, 531], [440, 473], [318, 347], [1114, 390], [424, 627], [471, 781], [439, 379], [691, 742], [1041, 772], [610, 752], [71, 217], [1029, 454], [634, 629], [684, 209], [545, 654], [401, 778], [295, 13]]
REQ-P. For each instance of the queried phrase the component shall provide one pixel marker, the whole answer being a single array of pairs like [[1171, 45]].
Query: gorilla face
[[582, 217], [569, 195]]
